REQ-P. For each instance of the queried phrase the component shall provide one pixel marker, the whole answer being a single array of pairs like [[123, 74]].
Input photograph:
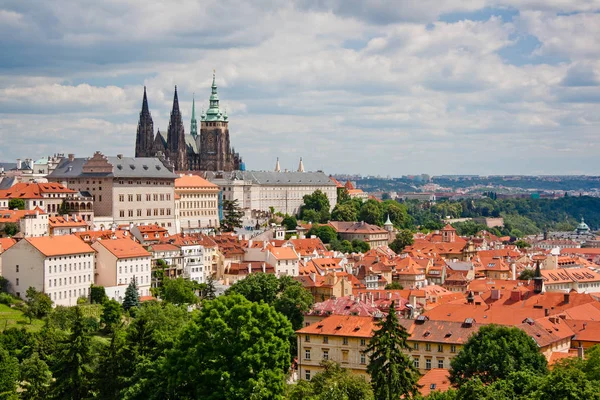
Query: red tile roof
[[342, 325], [194, 181], [33, 190], [436, 379], [124, 248], [52, 246]]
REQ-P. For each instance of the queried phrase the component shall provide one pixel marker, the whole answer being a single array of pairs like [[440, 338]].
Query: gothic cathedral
[[209, 151]]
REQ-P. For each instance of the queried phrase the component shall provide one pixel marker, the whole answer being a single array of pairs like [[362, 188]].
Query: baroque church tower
[[144, 139], [213, 144]]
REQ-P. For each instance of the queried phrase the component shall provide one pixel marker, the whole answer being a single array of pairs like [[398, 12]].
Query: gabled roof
[[123, 248], [341, 325], [193, 181], [34, 190], [52, 246], [356, 227]]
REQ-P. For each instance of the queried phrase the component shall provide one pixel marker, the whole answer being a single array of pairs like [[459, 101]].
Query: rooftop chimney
[[71, 157], [19, 163], [567, 298]]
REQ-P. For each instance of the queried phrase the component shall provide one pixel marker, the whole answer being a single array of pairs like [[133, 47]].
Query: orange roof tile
[[52, 246], [6, 243], [33, 190], [56, 222], [124, 248], [194, 181], [436, 379], [341, 325]]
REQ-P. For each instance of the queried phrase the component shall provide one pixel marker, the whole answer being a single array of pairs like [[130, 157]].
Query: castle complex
[[208, 151]]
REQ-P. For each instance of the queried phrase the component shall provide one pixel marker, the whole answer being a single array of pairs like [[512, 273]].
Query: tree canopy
[[232, 349], [315, 208], [132, 297], [493, 353], [392, 371], [232, 215]]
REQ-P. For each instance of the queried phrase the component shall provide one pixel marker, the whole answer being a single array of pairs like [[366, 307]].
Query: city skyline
[[371, 88]]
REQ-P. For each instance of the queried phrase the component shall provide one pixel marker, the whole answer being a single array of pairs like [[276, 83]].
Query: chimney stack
[[567, 298], [71, 157], [19, 165]]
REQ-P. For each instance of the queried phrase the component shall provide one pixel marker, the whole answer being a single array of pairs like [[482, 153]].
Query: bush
[[6, 298]]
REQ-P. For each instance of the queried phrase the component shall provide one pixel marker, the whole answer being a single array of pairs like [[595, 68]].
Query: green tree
[[73, 367], [16, 204], [493, 353], [521, 244], [360, 246], [4, 285], [567, 384], [9, 374], [97, 294], [293, 301], [38, 304], [404, 238], [397, 212], [290, 222], [319, 204], [179, 291], [394, 286], [132, 297], [232, 349], [112, 363], [112, 312], [344, 212], [210, 293], [11, 229], [371, 212], [526, 274], [232, 215], [334, 382], [257, 287], [324, 232], [35, 378], [392, 372]]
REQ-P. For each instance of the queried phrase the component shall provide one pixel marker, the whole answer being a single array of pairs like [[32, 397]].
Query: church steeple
[[144, 140], [301, 166], [213, 113], [194, 123], [176, 137]]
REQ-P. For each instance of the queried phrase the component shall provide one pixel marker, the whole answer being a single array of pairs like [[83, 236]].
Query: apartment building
[[197, 203], [118, 263], [371, 234], [30, 222], [125, 190], [60, 266]]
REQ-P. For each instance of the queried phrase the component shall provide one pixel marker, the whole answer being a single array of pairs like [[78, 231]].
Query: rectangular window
[[129, 197], [122, 213], [17, 281], [138, 197], [415, 346], [363, 358], [416, 362], [440, 348], [139, 213], [130, 213], [325, 339], [121, 197], [452, 348], [428, 363], [440, 363], [307, 339], [363, 342], [326, 355], [345, 341], [307, 354], [428, 346], [148, 197], [17, 268], [307, 374], [345, 355]]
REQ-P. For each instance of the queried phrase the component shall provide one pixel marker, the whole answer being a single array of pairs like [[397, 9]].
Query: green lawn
[[11, 317]]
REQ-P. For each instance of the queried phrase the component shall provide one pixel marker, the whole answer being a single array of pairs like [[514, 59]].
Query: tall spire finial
[[277, 167], [301, 166], [145, 108], [194, 122]]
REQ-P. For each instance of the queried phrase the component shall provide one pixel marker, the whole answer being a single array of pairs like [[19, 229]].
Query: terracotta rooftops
[[15, 216], [6, 243], [356, 227], [56, 222], [436, 379], [51, 246], [194, 181], [342, 325], [33, 190], [124, 248]]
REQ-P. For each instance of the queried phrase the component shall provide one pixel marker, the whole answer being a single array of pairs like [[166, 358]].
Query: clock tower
[[213, 142]]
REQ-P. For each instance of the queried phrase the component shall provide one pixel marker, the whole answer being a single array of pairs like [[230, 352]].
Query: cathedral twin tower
[[208, 151]]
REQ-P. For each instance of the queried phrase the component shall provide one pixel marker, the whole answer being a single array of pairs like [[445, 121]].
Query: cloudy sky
[[376, 87]]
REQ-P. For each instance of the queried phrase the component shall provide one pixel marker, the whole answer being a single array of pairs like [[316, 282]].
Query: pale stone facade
[[284, 191], [118, 263], [125, 190], [62, 267], [197, 203]]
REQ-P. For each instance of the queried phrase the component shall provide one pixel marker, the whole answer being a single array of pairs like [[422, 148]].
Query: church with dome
[[207, 150]]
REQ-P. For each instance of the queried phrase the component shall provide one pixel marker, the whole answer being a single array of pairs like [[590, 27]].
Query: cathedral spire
[[301, 166], [194, 123], [277, 167], [145, 108], [144, 139], [213, 113], [176, 137]]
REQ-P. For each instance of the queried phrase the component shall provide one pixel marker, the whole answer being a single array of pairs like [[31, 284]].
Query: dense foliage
[[493, 353], [392, 371], [232, 215]]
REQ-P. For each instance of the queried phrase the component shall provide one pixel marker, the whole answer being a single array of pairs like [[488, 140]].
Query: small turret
[[301, 166], [277, 166], [538, 280]]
